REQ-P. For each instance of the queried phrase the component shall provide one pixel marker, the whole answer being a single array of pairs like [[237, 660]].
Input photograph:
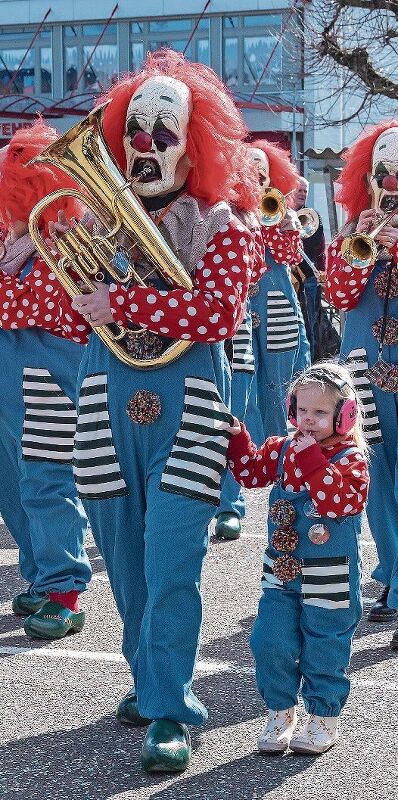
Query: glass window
[[256, 52], [231, 22], [231, 75], [70, 69], [71, 31], [12, 81], [203, 24], [137, 55], [203, 51], [137, 27], [264, 20], [102, 71], [46, 67], [174, 44], [171, 25], [96, 30]]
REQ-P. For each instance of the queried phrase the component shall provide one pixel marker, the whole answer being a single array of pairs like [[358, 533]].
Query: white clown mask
[[383, 181], [260, 159], [156, 135]]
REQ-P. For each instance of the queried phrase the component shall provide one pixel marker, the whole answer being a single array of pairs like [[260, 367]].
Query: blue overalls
[[281, 351], [303, 632], [38, 498], [150, 483], [359, 351], [242, 376]]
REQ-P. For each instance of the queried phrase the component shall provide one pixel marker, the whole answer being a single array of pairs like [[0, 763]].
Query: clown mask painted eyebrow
[[156, 133]]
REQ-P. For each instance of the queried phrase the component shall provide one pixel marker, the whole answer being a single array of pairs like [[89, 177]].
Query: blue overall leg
[[38, 410], [14, 515], [304, 629], [150, 486], [359, 350], [280, 346]]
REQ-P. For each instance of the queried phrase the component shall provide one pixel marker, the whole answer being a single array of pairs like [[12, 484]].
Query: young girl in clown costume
[[311, 602], [279, 341], [38, 498], [368, 293], [150, 502]]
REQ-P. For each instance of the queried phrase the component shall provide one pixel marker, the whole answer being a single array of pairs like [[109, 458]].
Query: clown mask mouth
[[146, 170]]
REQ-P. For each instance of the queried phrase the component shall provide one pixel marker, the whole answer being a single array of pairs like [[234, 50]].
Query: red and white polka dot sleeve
[[39, 301], [337, 489], [212, 311], [344, 284], [284, 247], [252, 467]]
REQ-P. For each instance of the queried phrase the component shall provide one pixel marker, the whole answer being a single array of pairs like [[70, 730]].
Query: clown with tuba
[[151, 437], [362, 279]]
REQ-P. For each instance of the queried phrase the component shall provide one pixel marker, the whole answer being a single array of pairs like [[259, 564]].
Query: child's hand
[[303, 442], [235, 428]]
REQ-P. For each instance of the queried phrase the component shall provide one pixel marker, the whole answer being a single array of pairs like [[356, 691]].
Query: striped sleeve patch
[[282, 323], [95, 464], [50, 419], [325, 582], [357, 363], [243, 358], [268, 579], [199, 454]]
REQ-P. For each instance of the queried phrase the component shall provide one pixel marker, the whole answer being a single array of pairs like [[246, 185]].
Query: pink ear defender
[[346, 413]]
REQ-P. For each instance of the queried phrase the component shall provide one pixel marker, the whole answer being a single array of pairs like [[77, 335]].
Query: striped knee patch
[[268, 579], [357, 363], [282, 323], [95, 464], [199, 454], [325, 582], [50, 419], [243, 358]]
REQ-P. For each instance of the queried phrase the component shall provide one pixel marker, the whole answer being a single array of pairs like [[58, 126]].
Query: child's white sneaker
[[276, 735], [318, 735]]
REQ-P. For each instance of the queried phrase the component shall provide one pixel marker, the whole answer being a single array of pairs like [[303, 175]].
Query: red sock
[[67, 599]]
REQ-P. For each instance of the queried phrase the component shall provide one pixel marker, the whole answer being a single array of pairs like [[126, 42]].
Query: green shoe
[[54, 621], [128, 713], [24, 604], [228, 526], [167, 747]]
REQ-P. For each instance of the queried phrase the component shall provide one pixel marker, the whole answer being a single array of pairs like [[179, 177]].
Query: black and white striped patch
[[50, 419], [282, 323], [243, 358], [268, 579], [95, 465], [199, 455], [325, 582], [357, 363]]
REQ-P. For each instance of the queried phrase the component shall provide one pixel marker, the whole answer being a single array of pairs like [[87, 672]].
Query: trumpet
[[272, 206], [360, 249], [309, 221]]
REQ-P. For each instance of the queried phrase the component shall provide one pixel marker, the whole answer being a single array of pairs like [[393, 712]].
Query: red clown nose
[[142, 142], [390, 183]]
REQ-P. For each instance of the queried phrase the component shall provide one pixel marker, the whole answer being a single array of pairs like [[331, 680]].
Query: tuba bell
[[83, 154], [309, 221]]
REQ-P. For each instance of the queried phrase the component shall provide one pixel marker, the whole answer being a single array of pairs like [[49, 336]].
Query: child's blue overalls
[[359, 351], [150, 483], [303, 632], [38, 497], [281, 351]]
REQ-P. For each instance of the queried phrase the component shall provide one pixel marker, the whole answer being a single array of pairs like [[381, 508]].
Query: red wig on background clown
[[362, 280], [151, 444], [37, 404]]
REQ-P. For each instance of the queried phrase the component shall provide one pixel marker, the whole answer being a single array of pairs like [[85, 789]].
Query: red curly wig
[[221, 169], [283, 174], [352, 186], [22, 185]]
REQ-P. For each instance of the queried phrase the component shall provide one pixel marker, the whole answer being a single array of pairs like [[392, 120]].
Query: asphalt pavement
[[60, 739]]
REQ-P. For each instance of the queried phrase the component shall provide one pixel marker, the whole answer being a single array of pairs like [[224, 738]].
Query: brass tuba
[[309, 221], [83, 154], [360, 249]]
